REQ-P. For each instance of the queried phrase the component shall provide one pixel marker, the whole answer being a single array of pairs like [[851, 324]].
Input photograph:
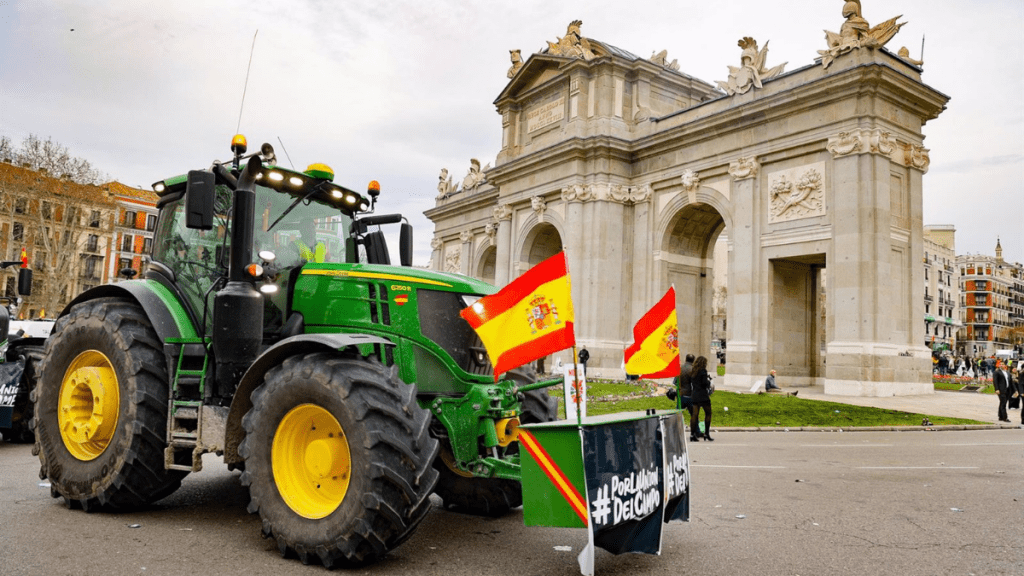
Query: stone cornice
[[572, 149], [714, 119], [456, 206]]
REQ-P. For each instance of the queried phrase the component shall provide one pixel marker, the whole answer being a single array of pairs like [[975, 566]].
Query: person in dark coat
[[584, 356], [682, 390], [1020, 388], [700, 382], [1003, 384]]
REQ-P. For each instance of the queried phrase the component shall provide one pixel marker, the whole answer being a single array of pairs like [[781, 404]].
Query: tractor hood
[[414, 277]]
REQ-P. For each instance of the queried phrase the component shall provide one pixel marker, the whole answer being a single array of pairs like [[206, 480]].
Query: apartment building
[[941, 288], [992, 299]]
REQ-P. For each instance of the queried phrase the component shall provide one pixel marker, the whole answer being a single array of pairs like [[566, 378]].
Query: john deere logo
[[401, 299], [541, 314]]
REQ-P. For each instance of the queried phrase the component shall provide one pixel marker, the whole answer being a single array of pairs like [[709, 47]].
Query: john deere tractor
[[271, 328]]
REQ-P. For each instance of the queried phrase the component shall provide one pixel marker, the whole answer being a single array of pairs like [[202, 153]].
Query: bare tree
[[56, 159], [7, 151], [52, 218]]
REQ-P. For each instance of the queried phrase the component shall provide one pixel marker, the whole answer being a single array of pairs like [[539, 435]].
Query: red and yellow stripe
[[555, 474], [655, 349], [505, 321]]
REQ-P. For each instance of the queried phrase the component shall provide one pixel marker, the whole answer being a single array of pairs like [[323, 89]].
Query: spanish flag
[[528, 319], [655, 349]]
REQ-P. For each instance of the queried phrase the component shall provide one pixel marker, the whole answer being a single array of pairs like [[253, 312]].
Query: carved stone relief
[[743, 168], [436, 243], [844, 144], [661, 59], [875, 141], [752, 69], [691, 180], [797, 193], [453, 260], [517, 62], [857, 33], [917, 157], [502, 212], [490, 230], [465, 236], [573, 44], [576, 193], [445, 186], [475, 176]]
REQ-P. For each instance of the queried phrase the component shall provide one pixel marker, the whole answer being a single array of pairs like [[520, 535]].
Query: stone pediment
[[537, 70]]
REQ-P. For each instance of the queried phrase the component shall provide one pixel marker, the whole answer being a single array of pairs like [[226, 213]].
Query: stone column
[[436, 258], [749, 299], [574, 196], [467, 253], [502, 263], [871, 282]]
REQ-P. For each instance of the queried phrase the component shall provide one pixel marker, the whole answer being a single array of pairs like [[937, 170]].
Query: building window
[[71, 215], [21, 206], [147, 245], [18, 234], [123, 263], [126, 243], [151, 222], [129, 218], [47, 210], [94, 219], [93, 243]]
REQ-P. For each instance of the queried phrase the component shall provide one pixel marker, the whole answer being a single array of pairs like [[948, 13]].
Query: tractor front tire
[[337, 459], [101, 408]]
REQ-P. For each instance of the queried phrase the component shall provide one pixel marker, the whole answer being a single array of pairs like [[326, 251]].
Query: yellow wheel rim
[[449, 460], [89, 404], [311, 461]]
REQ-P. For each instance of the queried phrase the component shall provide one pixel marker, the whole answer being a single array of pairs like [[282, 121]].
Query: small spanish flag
[[528, 319], [24, 258], [655, 349]]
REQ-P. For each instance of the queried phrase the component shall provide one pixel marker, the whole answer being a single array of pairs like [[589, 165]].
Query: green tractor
[[347, 390]]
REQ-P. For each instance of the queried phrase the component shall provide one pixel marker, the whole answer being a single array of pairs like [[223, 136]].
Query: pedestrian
[[1014, 400], [683, 390], [1020, 389], [1001, 380], [700, 385], [772, 388], [584, 356]]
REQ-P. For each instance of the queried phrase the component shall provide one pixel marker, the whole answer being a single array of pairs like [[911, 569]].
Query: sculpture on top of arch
[[857, 33]]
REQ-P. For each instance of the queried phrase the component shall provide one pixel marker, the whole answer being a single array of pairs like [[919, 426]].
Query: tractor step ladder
[[185, 405]]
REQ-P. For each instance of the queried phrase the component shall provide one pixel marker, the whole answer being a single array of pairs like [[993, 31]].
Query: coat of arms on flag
[[655, 349], [542, 295]]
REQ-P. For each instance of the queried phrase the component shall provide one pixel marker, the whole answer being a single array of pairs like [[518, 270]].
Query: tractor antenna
[[246, 86], [286, 152]]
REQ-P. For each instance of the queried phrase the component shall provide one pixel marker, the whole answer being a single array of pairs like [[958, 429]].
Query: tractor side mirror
[[405, 244], [200, 193], [25, 281]]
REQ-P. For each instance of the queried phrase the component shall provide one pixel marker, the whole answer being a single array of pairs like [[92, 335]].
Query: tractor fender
[[169, 317], [301, 344]]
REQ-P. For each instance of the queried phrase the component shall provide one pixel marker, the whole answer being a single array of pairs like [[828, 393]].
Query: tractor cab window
[[312, 231], [197, 257]]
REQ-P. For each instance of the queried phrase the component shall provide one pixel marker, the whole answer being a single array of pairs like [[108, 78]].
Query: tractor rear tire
[[337, 459], [101, 408], [462, 492]]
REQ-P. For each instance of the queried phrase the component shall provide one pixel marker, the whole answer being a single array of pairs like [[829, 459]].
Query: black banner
[[677, 469], [10, 379], [624, 466]]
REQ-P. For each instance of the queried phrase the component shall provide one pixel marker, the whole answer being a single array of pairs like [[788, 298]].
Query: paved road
[[814, 503]]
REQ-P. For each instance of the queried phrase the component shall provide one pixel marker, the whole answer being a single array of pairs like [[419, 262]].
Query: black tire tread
[[400, 451], [137, 476]]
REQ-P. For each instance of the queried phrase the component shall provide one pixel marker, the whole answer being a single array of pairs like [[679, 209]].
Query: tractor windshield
[[312, 231]]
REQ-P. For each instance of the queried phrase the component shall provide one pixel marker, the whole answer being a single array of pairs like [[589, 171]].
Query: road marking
[[988, 444], [917, 468], [727, 466], [846, 445]]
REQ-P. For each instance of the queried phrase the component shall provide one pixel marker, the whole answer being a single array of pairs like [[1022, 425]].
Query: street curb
[[874, 428]]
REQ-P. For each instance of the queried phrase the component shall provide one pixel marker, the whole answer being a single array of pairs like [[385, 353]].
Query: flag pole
[[580, 392]]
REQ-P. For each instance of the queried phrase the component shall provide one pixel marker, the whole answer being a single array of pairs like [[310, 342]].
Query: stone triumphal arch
[[636, 169]]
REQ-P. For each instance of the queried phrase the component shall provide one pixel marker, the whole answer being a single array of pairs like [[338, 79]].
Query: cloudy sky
[[394, 90]]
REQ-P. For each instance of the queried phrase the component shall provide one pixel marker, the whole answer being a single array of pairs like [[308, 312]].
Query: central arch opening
[[688, 254]]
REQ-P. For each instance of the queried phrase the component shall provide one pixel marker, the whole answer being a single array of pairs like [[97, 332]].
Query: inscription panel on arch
[[545, 115]]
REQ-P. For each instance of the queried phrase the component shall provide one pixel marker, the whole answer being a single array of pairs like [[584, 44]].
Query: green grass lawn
[[759, 410]]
